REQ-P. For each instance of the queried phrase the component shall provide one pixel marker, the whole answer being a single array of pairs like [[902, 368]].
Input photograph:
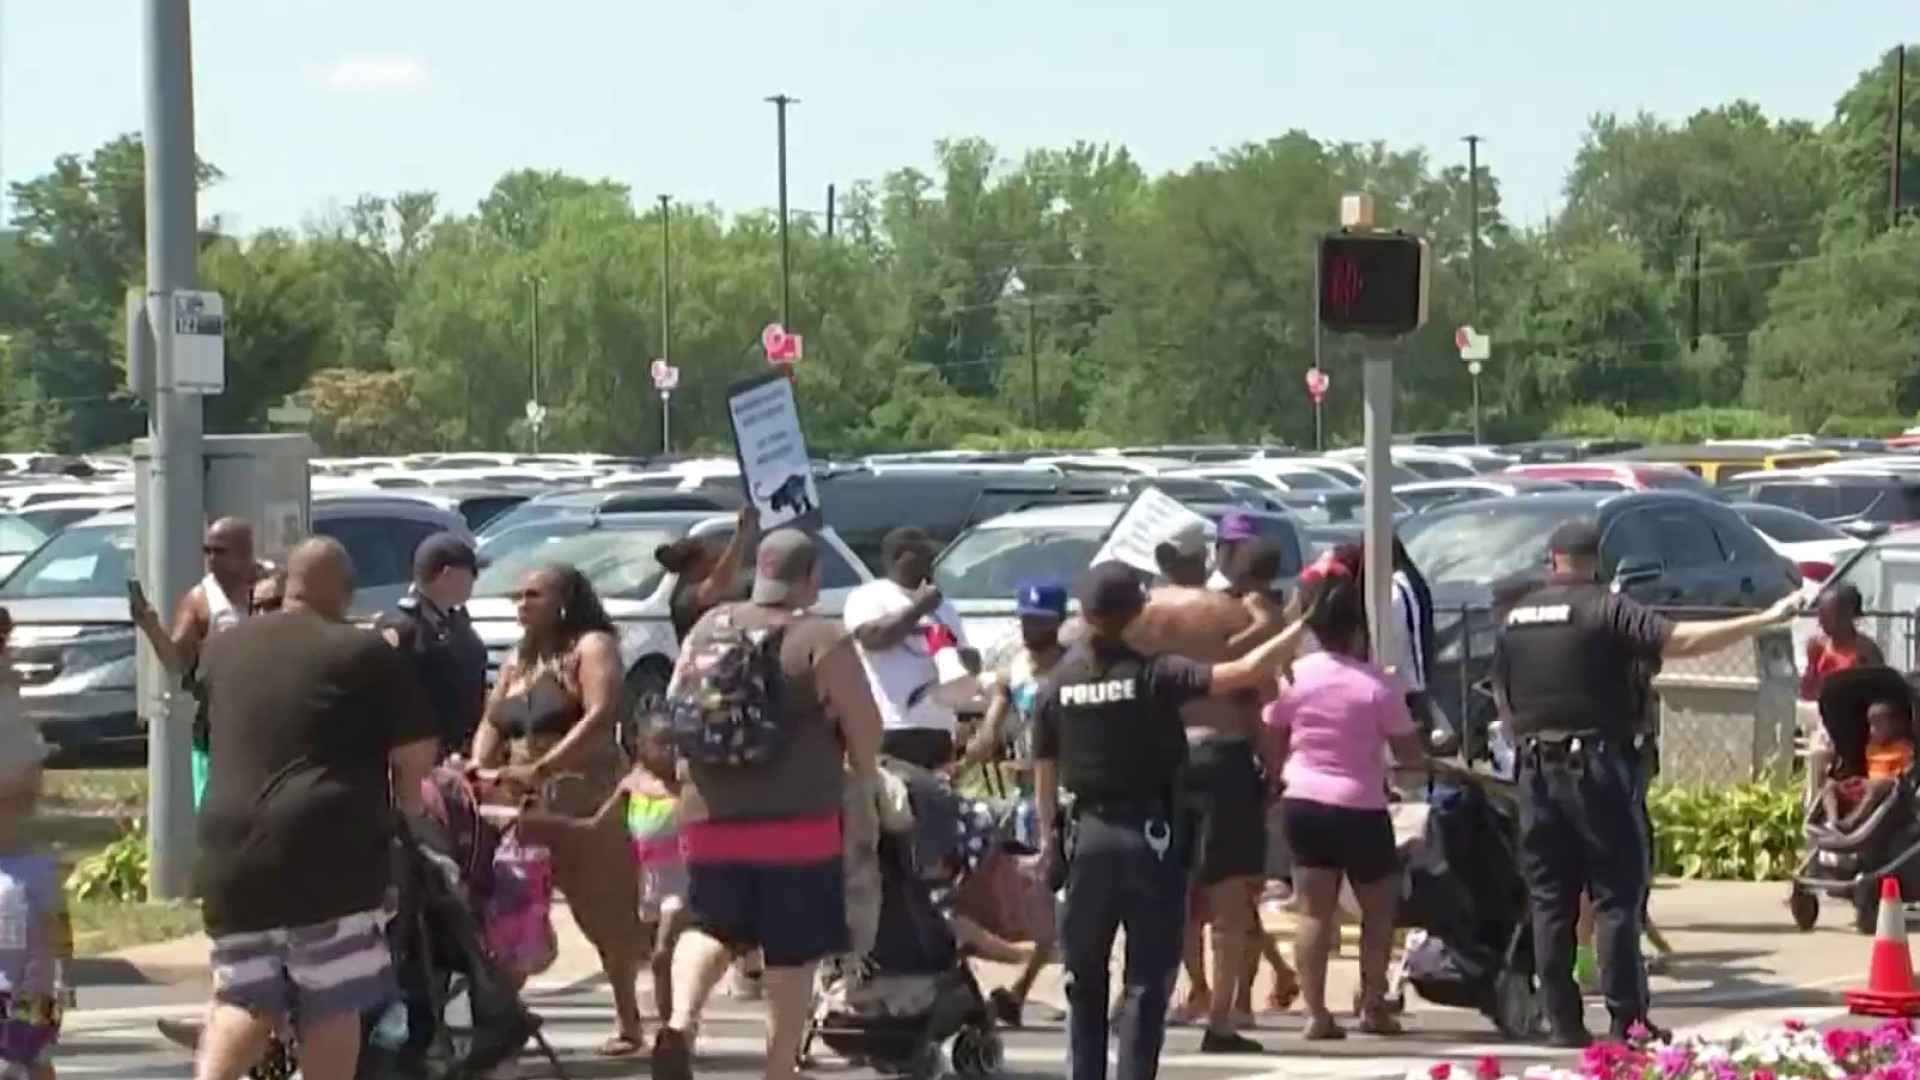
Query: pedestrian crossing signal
[[1373, 283]]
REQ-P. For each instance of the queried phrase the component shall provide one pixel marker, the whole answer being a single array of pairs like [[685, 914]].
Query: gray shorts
[[339, 966]]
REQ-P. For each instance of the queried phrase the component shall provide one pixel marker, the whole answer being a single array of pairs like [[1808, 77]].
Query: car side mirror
[[1632, 572], [1865, 530]]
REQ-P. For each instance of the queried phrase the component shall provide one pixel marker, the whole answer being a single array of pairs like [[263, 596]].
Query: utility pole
[[175, 509], [1693, 297], [1473, 222], [829, 211], [1898, 135], [780, 103], [666, 278], [1033, 362], [536, 414]]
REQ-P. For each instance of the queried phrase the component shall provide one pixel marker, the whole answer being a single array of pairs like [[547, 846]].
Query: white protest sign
[[775, 471], [1151, 519]]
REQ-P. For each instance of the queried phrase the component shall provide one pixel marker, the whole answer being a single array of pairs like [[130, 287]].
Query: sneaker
[[1570, 1038], [672, 1056], [1228, 1042], [745, 986], [1006, 1010]]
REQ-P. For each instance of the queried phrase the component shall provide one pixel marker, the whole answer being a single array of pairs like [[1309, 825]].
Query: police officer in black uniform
[[1107, 729], [1568, 667], [430, 625]]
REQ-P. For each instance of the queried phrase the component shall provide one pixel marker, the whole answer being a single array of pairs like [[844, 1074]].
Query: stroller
[[1473, 942], [1850, 863], [912, 1006], [442, 869]]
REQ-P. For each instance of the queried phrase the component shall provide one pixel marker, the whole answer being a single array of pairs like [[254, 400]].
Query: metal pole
[[666, 278], [830, 211], [1899, 134], [1319, 437], [1473, 219], [533, 358], [1474, 375], [780, 103], [666, 421], [176, 494], [1378, 390], [1033, 362]]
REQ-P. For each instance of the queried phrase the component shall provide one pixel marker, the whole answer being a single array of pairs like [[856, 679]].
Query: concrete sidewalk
[[1734, 944]]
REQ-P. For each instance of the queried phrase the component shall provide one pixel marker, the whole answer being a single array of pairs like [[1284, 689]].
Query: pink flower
[[1763, 1074], [1487, 1068], [1795, 1025], [1441, 1071]]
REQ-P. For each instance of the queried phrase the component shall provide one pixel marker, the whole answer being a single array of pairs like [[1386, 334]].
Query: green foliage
[[1728, 275], [1748, 832], [116, 872]]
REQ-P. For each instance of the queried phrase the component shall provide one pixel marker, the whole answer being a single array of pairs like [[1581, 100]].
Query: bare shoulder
[[598, 647]]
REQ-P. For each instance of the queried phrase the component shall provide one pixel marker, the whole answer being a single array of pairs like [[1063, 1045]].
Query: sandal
[[1323, 1029], [1377, 1020], [621, 1045], [1286, 990]]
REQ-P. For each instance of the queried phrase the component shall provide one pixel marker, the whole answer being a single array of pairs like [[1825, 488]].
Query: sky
[[307, 104]]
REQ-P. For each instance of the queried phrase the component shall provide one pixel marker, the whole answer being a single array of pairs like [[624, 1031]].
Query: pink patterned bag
[[519, 911]]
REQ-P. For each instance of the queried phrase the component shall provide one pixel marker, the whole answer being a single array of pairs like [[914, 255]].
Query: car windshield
[[989, 564], [51, 520], [19, 536], [1481, 543], [618, 562], [84, 561], [501, 545]]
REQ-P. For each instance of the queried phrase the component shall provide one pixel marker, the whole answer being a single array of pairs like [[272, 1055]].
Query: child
[[36, 938], [1889, 756]]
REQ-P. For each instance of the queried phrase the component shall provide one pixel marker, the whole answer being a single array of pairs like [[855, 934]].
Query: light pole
[[536, 413], [1473, 262], [1016, 289], [666, 319], [780, 103]]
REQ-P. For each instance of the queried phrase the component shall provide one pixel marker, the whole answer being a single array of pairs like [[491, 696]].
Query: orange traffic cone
[[1890, 990]]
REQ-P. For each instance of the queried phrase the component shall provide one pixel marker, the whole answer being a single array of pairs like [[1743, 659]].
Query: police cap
[[1581, 536], [1112, 590]]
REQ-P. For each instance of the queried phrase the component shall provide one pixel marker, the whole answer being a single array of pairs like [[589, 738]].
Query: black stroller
[[1464, 892], [912, 1006], [1850, 862], [442, 866]]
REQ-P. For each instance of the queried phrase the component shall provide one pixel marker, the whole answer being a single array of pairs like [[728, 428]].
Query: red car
[[1617, 476]]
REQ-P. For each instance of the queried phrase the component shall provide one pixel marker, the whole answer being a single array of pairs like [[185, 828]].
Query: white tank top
[[221, 614]]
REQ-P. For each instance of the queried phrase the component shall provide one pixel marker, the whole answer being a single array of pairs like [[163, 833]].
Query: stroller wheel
[[1804, 906], [1517, 1011], [930, 1062], [975, 1051], [1866, 906]]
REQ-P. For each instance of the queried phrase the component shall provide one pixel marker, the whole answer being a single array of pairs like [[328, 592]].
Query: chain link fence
[[1728, 717]]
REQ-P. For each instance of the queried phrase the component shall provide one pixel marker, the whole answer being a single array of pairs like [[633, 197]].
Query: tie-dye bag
[[518, 912]]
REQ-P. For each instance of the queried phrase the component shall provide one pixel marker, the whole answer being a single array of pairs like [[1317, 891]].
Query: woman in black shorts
[[1331, 729]]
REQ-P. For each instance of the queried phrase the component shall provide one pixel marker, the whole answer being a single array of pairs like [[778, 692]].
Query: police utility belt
[[1161, 818], [1553, 749]]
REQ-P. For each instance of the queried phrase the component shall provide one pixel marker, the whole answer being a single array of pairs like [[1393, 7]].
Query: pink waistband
[[785, 842]]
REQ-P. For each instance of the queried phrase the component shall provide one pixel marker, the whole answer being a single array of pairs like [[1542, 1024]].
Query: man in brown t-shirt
[[764, 853]]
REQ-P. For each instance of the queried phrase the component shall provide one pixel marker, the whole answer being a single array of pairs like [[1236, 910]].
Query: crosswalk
[[124, 1043]]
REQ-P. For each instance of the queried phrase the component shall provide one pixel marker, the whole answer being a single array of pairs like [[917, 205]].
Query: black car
[[1663, 548]]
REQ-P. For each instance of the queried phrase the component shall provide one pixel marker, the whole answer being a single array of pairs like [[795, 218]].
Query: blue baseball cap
[[1041, 598]]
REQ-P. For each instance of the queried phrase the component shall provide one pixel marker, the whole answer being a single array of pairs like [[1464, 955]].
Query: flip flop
[[621, 1045]]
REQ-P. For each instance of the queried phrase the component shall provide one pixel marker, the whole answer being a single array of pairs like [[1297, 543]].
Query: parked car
[[56, 514], [1617, 476], [1662, 548], [585, 502], [1331, 507], [1429, 494], [1813, 546], [615, 552], [1865, 499], [979, 572], [73, 640]]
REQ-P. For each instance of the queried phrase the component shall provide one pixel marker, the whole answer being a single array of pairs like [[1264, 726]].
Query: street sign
[[1475, 347], [781, 347], [1317, 383], [665, 376], [536, 415], [199, 323], [656, 368]]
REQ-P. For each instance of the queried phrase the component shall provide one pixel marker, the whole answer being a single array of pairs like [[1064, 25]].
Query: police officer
[[430, 625], [1107, 729], [1565, 667]]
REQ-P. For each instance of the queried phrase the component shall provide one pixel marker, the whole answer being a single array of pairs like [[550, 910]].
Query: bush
[[118, 871], [1680, 427], [1748, 832]]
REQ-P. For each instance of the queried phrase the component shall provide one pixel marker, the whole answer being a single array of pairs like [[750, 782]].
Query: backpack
[[728, 712]]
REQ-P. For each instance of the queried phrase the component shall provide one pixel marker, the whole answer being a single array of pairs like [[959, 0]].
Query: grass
[[80, 813]]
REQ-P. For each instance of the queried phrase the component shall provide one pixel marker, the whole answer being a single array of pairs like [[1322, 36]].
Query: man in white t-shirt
[[889, 618]]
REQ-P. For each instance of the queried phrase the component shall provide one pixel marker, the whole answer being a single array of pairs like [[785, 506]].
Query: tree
[[364, 412]]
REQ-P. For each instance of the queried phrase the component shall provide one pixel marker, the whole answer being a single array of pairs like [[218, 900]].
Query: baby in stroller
[[1846, 800]]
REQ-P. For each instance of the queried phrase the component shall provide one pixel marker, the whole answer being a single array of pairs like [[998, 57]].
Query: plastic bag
[[519, 909]]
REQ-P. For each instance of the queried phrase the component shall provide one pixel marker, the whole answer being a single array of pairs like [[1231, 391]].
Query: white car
[[615, 552], [981, 570], [1814, 547]]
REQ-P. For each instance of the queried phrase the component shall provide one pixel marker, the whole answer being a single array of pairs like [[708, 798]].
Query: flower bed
[[1890, 1051]]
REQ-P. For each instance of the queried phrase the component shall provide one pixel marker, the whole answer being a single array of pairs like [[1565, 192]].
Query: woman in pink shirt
[[1331, 729]]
